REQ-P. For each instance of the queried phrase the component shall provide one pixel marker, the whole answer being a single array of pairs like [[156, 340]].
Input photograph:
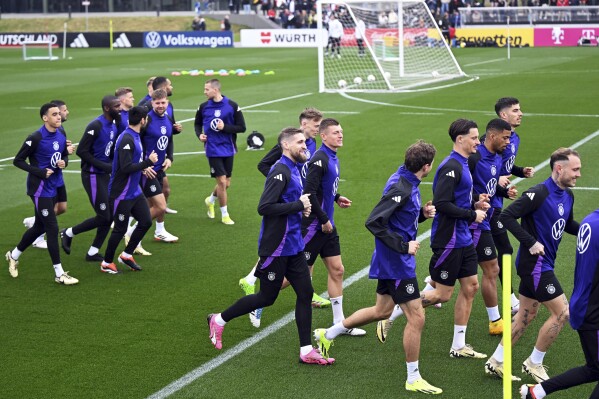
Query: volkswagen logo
[[213, 123], [584, 238], [55, 158], [153, 39], [558, 229], [162, 143]]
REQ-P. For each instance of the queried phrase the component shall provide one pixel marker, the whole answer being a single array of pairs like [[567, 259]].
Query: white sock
[[40, 238], [15, 254], [337, 309], [250, 278], [428, 287], [335, 331], [30, 220], [396, 313], [92, 251], [212, 198], [498, 354], [539, 391], [219, 320], [304, 350], [493, 313], [515, 301], [537, 356], [69, 232], [413, 372], [159, 227], [223, 211], [58, 270], [459, 337], [130, 229]]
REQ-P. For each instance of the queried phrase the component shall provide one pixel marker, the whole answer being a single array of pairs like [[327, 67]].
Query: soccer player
[[318, 229], [126, 197], [217, 123], [48, 155], [94, 150], [508, 109], [546, 212], [485, 166], [156, 137], [335, 33], [309, 122], [394, 224], [125, 95], [584, 315], [148, 97], [280, 247], [61, 191]]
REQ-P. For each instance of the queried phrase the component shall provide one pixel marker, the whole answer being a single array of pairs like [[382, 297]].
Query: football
[[371, 78], [357, 80], [342, 83]]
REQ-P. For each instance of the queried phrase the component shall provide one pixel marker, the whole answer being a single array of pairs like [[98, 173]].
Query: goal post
[[38, 50], [386, 46]]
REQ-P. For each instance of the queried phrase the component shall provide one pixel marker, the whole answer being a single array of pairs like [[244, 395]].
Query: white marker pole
[[508, 37], [64, 42]]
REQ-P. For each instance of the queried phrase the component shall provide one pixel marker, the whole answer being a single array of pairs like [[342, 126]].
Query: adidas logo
[[450, 174], [90, 132], [279, 177], [79, 42], [530, 195], [126, 147], [318, 163], [122, 41], [28, 142], [397, 198]]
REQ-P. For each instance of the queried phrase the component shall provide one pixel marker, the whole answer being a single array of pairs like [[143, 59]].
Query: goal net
[[383, 46], [38, 50]]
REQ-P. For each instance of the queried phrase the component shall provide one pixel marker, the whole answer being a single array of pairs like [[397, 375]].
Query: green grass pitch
[[130, 335]]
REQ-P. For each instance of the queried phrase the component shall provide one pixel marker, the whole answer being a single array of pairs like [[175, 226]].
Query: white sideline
[[282, 322]]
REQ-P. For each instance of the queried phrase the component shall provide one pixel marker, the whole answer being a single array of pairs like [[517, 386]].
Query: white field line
[[485, 62], [289, 317]]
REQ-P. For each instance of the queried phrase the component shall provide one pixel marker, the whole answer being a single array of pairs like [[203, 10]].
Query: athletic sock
[[130, 229], [125, 254], [58, 271], [250, 278], [396, 313], [428, 287], [92, 251], [498, 354], [459, 337], [413, 372], [212, 198], [537, 356], [40, 238], [159, 227], [15, 254], [219, 320], [335, 331], [337, 309], [304, 350], [493, 313], [69, 232], [223, 211], [515, 301], [539, 391]]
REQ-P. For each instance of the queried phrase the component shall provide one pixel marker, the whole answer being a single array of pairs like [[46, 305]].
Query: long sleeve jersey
[[275, 154], [452, 197], [508, 166], [157, 136], [95, 146], [43, 149], [322, 182], [394, 222], [220, 143], [546, 211], [281, 211]]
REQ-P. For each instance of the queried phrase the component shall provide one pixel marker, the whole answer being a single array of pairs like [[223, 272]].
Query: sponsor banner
[[282, 37], [17, 39], [102, 39], [188, 39], [562, 36], [390, 37], [480, 36]]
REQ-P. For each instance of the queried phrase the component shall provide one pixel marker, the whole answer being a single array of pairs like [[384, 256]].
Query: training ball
[[436, 74], [387, 75], [342, 83], [371, 78], [357, 80], [463, 44]]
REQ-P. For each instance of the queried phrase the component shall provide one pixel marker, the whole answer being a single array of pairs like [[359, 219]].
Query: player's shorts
[[272, 269], [497, 227], [484, 244], [318, 243], [450, 264], [96, 186], [401, 291], [61, 194], [220, 166], [543, 289], [151, 187]]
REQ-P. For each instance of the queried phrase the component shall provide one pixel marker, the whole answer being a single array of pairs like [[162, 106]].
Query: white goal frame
[[390, 87], [38, 44]]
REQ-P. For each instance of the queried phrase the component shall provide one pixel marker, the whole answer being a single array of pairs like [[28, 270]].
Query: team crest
[[444, 275], [55, 145], [488, 251], [493, 170], [550, 289], [162, 129], [153, 188], [513, 147], [217, 113], [308, 255], [44, 212], [308, 154], [102, 206], [111, 134], [410, 289], [560, 209], [271, 276], [121, 217], [499, 225]]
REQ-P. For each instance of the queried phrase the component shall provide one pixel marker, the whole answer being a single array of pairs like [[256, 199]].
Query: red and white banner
[[282, 38]]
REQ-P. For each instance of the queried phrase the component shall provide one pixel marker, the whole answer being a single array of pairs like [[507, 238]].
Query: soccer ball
[[463, 44], [357, 80], [371, 78], [387, 75], [435, 74], [342, 83]]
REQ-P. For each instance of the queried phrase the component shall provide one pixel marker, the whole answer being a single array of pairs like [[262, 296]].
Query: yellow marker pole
[[111, 47], [507, 325]]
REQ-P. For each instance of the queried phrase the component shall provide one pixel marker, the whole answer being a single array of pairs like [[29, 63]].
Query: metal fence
[[545, 15]]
